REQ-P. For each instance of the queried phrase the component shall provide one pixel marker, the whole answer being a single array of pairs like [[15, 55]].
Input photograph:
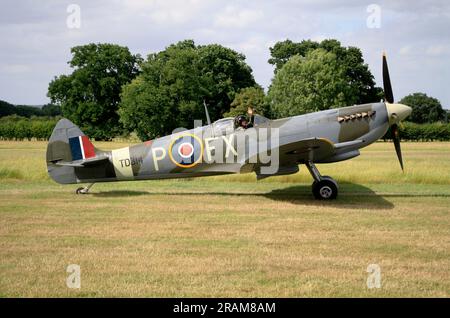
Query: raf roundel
[[186, 151]]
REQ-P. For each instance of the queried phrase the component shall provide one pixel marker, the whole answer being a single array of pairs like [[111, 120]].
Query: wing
[[313, 149]]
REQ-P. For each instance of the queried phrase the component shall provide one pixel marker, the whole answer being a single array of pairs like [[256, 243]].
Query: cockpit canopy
[[259, 120], [225, 126]]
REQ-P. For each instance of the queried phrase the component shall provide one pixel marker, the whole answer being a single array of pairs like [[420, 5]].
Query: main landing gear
[[323, 187], [84, 190]]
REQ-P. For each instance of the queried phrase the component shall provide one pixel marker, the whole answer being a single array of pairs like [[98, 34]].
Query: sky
[[36, 36]]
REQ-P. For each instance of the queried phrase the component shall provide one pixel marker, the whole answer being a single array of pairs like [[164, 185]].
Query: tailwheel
[[80, 190], [83, 190], [325, 189]]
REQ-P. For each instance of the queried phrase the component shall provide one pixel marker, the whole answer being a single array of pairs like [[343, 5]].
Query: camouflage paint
[[310, 137]]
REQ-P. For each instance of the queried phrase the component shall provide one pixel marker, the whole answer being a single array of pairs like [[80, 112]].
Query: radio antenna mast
[[207, 114]]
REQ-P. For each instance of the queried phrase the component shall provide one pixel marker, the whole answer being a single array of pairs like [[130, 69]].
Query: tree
[[91, 94], [249, 97], [51, 110], [307, 84], [6, 109], [147, 109], [282, 51], [174, 83], [28, 111], [357, 72], [225, 73], [425, 109]]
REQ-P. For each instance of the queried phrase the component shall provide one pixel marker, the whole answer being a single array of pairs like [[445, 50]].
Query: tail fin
[[68, 147]]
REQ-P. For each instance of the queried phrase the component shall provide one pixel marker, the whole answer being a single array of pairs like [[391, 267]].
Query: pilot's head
[[242, 121]]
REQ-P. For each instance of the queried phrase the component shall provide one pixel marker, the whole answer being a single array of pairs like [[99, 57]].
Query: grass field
[[230, 236]]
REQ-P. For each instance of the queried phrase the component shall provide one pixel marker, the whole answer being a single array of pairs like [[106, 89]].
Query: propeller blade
[[396, 139], [388, 95]]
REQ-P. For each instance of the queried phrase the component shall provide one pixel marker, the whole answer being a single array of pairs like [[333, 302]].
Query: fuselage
[[220, 148]]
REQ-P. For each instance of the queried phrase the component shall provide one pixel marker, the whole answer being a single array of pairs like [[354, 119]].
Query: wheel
[[324, 177], [81, 190], [332, 180], [325, 189]]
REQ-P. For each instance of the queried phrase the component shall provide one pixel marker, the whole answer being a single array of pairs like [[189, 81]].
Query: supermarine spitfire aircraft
[[266, 147]]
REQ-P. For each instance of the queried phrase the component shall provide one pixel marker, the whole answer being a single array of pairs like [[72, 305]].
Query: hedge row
[[423, 132], [40, 128], [20, 128]]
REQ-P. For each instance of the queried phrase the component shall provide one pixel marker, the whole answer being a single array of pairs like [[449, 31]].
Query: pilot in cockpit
[[241, 122], [245, 122]]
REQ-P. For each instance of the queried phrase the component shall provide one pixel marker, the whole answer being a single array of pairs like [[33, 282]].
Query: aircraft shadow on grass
[[352, 196]]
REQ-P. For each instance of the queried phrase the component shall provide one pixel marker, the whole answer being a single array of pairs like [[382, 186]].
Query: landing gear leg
[[84, 190], [323, 187]]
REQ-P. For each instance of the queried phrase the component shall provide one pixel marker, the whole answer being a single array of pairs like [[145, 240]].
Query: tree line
[[112, 92], [49, 110]]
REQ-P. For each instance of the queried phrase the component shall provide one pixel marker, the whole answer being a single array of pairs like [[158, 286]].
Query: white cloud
[[405, 50], [165, 12], [437, 50], [36, 43], [254, 44], [14, 68], [236, 17]]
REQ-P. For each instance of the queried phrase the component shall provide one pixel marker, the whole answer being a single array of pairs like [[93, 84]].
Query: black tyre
[[79, 190], [326, 189], [332, 180], [324, 177]]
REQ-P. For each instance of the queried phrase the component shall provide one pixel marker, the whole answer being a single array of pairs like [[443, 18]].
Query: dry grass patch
[[230, 236]]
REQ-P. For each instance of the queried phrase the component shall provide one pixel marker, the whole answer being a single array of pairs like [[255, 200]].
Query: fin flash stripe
[[81, 148]]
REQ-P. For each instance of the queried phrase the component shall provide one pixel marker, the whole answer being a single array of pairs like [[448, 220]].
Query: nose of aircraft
[[397, 112]]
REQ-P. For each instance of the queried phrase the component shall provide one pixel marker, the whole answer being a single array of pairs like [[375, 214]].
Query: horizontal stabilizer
[[83, 162]]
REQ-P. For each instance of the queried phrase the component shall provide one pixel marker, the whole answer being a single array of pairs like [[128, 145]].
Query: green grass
[[230, 236], [377, 164]]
